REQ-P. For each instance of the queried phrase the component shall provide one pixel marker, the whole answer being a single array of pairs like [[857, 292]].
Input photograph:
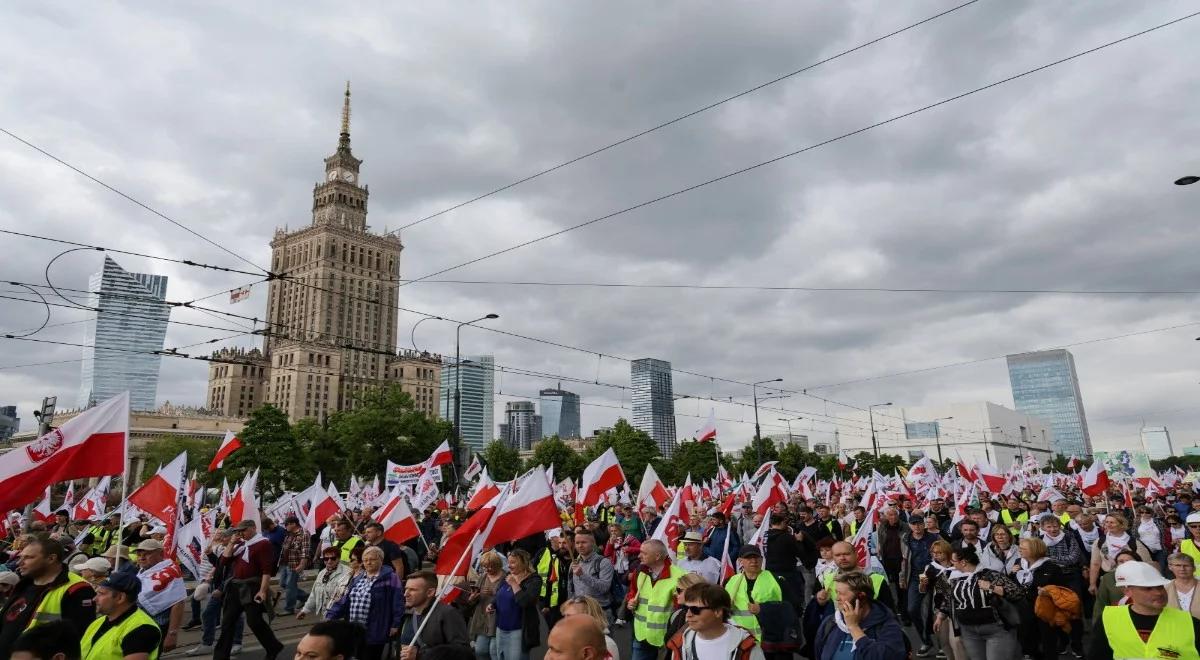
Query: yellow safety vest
[[1065, 518], [654, 604], [1173, 636], [877, 581], [853, 527], [108, 647], [1188, 547], [766, 590], [345, 548], [543, 570], [1021, 519], [50, 609]]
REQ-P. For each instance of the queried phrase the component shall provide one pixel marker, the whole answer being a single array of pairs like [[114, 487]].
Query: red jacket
[[629, 545]]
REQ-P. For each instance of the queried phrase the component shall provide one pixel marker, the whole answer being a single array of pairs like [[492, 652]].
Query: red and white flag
[[991, 476], [451, 595], [485, 490], [91, 444], [1071, 463], [652, 491], [42, 512], [92, 505], [230, 444], [458, 553], [159, 496], [763, 470], [709, 430], [769, 493], [399, 524], [323, 502], [727, 567], [861, 541], [531, 510], [668, 530], [441, 456], [759, 537], [473, 469], [427, 491], [1095, 480], [69, 498], [601, 475], [243, 505]]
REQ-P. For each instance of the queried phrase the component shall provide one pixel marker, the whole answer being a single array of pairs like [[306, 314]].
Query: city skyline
[[896, 265], [1045, 385]]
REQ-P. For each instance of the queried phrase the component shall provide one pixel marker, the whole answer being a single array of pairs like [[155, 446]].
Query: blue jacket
[[716, 544], [387, 605], [884, 639]]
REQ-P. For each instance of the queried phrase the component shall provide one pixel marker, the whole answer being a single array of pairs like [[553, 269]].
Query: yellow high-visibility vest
[[108, 647], [50, 609], [766, 590], [1173, 636], [345, 548], [654, 604]]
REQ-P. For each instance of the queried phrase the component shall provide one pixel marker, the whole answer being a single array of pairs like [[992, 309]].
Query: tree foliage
[[161, 451], [383, 425], [634, 449], [750, 458], [552, 451], [698, 459], [269, 445], [503, 462]]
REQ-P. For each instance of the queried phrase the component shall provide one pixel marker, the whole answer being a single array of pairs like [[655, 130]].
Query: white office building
[[978, 432]]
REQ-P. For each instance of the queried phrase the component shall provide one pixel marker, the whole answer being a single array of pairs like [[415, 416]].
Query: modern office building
[[560, 413], [653, 402], [522, 425], [785, 438], [121, 340], [9, 422], [476, 412], [1045, 385], [977, 432], [1156, 440]]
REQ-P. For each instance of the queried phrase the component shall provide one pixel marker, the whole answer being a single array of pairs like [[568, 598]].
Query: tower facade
[[560, 413], [123, 337], [1045, 385], [522, 425], [332, 315], [476, 412], [653, 402]]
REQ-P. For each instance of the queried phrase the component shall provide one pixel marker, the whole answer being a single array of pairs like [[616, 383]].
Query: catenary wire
[[683, 117], [811, 147]]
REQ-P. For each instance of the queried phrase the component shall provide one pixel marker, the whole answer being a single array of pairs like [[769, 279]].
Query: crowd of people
[[1004, 578]]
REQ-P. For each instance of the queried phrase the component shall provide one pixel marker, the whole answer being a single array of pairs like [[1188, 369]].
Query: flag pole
[[442, 591], [124, 490]]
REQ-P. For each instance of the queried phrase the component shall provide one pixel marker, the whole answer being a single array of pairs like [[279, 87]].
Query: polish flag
[[93, 503], [451, 595], [473, 469], [42, 511], [964, 471], [69, 498], [91, 444], [652, 491], [485, 490], [230, 444], [768, 494], [441, 456], [1095, 480], [763, 470], [399, 524], [727, 568], [326, 502], [960, 507], [459, 545], [709, 431], [1071, 462], [601, 475], [531, 510], [159, 496], [841, 460], [992, 478], [244, 503], [672, 520]]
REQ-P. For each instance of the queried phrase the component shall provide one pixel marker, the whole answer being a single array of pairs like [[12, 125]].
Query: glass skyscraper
[[9, 422], [121, 339], [475, 412], [653, 402], [1045, 386], [560, 413], [522, 425]]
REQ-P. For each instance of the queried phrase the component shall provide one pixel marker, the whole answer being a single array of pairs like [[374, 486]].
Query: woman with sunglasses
[[331, 578]]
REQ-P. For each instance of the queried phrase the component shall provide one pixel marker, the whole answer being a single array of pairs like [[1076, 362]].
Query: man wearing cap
[[62, 522], [1190, 546], [695, 561], [293, 561], [47, 591], [163, 593], [1146, 627], [248, 591], [751, 587], [8, 580], [123, 630], [94, 570]]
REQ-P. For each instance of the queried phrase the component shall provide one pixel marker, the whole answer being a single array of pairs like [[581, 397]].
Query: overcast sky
[[219, 115]]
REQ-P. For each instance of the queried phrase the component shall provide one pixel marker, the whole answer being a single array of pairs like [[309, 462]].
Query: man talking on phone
[[861, 627], [253, 560]]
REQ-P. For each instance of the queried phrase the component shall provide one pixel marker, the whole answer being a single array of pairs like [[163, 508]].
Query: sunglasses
[[695, 610], [330, 558]]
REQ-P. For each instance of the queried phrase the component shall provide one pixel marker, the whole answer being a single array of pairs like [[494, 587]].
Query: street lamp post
[[757, 430], [789, 421], [937, 434], [413, 335], [987, 451], [458, 377], [871, 415]]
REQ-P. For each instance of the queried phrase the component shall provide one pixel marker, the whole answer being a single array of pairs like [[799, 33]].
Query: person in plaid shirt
[[293, 560]]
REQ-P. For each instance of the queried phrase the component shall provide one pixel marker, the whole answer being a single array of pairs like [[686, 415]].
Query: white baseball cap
[[1139, 574], [1194, 517]]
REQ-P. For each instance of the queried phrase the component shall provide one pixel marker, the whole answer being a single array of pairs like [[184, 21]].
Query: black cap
[[124, 583], [750, 551]]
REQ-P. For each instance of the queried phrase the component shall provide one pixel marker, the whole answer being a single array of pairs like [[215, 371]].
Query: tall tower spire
[[344, 140]]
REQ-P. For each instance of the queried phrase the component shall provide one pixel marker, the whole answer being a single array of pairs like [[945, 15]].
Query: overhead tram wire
[[811, 147], [683, 117], [131, 198], [99, 248]]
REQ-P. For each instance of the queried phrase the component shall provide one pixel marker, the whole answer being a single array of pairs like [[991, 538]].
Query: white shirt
[[707, 568], [1185, 599], [713, 649]]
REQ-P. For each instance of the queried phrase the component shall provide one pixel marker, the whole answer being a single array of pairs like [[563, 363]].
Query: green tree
[[324, 451], [634, 449], [503, 462], [552, 451], [749, 461], [698, 459], [385, 425], [269, 445], [200, 453]]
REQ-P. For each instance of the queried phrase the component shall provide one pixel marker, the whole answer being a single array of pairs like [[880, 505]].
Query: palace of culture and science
[[331, 319]]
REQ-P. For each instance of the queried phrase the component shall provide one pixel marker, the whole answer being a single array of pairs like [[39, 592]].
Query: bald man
[[576, 637]]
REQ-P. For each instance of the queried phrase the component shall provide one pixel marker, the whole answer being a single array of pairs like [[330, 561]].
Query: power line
[[136, 201], [843, 136], [682, 117]]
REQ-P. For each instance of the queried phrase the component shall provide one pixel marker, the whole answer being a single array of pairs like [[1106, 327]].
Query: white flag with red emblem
[[668, 527], [861, 541], [92, 504], [91, 444], [473, 469]]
